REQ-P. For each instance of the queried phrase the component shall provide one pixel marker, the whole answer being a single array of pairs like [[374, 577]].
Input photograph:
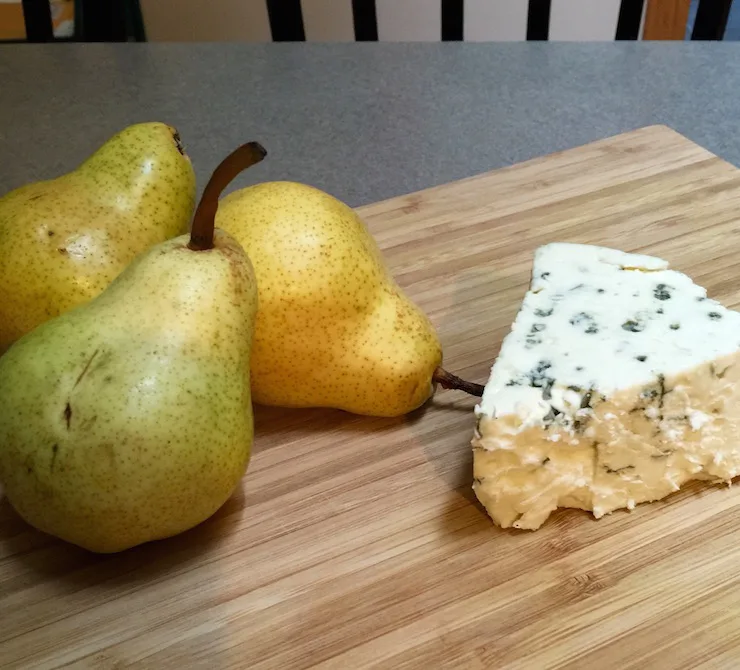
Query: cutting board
[[357, 542]]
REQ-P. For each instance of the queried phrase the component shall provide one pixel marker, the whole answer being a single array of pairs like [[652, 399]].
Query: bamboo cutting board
[[357, 542]]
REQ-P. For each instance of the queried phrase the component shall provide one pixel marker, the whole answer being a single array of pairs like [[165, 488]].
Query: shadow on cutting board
[[446, 434], [272, 422], [276, 426], [46, 557]]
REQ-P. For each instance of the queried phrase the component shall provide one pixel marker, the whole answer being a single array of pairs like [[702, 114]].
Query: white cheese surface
[[602, 319], [617, 383]]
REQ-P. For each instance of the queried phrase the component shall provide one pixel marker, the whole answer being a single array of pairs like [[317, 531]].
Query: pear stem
[[204, 219], [449, 381]]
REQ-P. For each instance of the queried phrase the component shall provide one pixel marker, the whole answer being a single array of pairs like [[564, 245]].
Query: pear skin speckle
[[129, 418], [333, 329], [63, 241]]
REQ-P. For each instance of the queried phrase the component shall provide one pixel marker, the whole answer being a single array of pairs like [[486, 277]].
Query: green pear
[[334, 329], [62, 241], [129, 418]]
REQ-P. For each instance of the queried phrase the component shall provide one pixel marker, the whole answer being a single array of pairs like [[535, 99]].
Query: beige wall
[[206, 20]]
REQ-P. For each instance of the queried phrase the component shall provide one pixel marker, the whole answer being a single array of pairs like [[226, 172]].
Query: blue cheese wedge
[[617, 384]]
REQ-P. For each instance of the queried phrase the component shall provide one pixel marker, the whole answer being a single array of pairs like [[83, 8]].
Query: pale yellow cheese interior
[[640, 444]]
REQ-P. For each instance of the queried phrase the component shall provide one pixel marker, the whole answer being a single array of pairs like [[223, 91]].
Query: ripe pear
[[334, 329], [129, 418], [63, 240]]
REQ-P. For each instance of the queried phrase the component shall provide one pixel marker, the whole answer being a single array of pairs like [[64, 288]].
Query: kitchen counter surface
[[363, 121]]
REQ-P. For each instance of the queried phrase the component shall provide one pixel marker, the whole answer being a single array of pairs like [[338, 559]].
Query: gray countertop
[[362, 121]]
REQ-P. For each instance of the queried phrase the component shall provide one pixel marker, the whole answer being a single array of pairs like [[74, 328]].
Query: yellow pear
[[63, 240], [129, 418], [334, 329]]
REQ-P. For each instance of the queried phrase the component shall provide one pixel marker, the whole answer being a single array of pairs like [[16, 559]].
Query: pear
[[129, 418], [62, 241], [334, 329]]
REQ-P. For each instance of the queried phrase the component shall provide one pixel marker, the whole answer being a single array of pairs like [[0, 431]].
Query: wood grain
[[357, 542], [666, 19]]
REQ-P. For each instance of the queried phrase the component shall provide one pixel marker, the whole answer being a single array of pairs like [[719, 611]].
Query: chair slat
[[37, 17]]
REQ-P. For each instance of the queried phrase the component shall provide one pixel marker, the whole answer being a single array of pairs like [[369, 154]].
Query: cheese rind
[[617, 384]]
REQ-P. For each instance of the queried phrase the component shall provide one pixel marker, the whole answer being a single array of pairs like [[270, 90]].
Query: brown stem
[[204, 220], [449, 381]]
